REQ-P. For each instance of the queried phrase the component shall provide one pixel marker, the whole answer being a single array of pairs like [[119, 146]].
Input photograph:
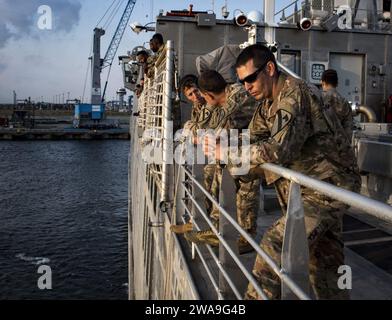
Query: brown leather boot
[[203, 237], [181, 228]]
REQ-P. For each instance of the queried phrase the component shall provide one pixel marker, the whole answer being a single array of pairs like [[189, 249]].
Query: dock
[[63, 134]]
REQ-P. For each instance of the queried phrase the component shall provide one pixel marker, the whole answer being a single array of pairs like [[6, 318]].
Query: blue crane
[[96, 109]]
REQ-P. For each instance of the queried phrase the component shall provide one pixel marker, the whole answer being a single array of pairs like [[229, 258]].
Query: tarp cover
[[222, 60]]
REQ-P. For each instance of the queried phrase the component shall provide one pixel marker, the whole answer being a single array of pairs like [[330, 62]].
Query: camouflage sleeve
[[240, 107], [289, 132], [150, 66], [342, 109], [258, 127], [209, 118], [151, 60], [195, 113], [245, 113], [188, 125], [346, 118]]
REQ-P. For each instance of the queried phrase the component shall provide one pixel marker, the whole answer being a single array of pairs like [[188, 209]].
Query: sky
[[41, 63]]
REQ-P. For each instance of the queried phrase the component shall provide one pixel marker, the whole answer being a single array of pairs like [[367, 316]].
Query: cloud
[[2, 67], [34, 59], [18, 18]]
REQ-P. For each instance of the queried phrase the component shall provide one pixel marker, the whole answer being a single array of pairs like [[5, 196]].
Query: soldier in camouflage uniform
[[188, 86], [235, 108], [142, 57], [202, 121], [292, 128], [157, 46], [331, 96], [200, 117]]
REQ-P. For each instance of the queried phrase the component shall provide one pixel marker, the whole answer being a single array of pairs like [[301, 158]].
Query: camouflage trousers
[[247, 199], [323, 223], [209, 173]]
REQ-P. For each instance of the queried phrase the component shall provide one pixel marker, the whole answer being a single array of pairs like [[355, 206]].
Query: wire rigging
[[88, 68], [106, 83], [109, 21], [113, 15], [107, 10]]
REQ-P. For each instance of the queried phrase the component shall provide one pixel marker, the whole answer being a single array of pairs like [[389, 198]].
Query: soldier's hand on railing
[[211, 148]]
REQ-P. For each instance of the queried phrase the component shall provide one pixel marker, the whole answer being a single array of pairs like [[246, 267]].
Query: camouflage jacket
[[238, 110], [235, 114], [195, 113], [342, 108], [297, 131], [151, 60], [200, 118]]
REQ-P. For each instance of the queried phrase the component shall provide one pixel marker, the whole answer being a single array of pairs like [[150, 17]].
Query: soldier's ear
[[210, 95], [271, 69]]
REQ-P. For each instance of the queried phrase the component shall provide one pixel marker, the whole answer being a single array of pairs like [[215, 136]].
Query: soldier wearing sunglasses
[[292, 128]]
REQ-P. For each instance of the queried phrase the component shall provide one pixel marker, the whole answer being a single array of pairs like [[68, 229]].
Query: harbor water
[[63, 204]]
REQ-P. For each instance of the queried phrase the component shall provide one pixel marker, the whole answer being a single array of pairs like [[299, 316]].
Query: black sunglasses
[[253, 77]]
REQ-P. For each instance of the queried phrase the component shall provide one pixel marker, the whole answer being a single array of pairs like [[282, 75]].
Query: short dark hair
[[158, 37], [188, 81], [212, 81], [260, 55], [330, 77], [142, 52]]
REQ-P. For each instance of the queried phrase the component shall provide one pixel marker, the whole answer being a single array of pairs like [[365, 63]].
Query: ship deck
[[368, 252]]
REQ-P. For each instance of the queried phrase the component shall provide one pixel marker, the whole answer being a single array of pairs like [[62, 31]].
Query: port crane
[[90, 114]]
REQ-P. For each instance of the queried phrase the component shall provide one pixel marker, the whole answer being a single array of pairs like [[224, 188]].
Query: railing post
[[306, 10], [227, 199], [167, 143], [198, 173], [296, 18], [295, 250], [269, 29], [180, 192], [283, 18], [372, 14]]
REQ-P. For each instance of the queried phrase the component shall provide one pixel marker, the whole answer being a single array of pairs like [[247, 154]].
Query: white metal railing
[[375, 208], [284, 276], [155, 114], [297, 9], [160, 270], [291, 9], [372, 207]]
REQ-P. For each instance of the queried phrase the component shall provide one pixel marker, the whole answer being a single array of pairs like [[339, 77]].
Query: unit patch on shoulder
[[282, 120], [206, 114]]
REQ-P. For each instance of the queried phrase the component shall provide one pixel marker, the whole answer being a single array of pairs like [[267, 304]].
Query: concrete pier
[[63, 134]]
